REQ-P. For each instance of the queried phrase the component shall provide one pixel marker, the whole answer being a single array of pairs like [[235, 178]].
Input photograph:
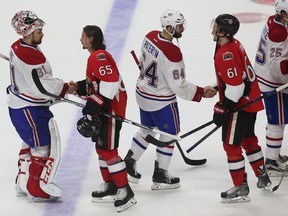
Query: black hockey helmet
[[227, 23], [88, 128]]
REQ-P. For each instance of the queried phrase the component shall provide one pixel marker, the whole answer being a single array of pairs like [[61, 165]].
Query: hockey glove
[[220, 113], [93, 105], [222, 110], [81, 91]]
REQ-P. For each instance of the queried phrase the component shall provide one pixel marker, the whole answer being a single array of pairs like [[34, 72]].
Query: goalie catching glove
[[222, 110], [88, 128], [93, 105]]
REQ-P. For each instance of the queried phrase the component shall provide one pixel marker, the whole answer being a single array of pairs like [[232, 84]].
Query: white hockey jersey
[[162, 76], [272, 55], [23, 92]]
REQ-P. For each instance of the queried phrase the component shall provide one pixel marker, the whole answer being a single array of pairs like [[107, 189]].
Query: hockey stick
[[4, 57], [283, 174], [202, 139], [155, 141], [43, 91], [188, 160], [280, 88], [159, 143]]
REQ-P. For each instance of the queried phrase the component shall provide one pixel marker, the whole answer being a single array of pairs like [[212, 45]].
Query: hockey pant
[[236, 160]]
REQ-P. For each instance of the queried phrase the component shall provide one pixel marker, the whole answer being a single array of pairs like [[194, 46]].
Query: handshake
[[209, 92]]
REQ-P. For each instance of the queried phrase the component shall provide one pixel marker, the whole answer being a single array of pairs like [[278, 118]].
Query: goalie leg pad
[[51, 166], [23, 173]]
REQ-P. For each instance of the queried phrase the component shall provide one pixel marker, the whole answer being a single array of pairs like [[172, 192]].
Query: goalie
[[29, 111]]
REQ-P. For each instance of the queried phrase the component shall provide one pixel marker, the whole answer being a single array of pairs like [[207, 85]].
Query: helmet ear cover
[[88, 128]]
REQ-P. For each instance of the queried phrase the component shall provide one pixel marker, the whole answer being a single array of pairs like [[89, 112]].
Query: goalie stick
[[155, 141], [43, 91], [4, 57]]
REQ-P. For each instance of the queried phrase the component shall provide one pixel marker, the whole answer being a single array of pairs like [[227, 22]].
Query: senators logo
[[227, 56], [101, 57]]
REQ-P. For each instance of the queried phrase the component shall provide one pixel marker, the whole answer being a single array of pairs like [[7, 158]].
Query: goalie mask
[[228, 24], [88, 128], [26, 22]]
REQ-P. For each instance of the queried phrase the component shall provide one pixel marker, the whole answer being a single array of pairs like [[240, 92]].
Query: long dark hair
[[96, 33]]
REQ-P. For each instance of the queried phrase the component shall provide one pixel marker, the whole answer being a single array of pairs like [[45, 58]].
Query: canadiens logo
[[101, 56], [227, 56]]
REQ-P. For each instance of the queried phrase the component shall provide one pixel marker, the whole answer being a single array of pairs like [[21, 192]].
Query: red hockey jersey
[[232, 67], [103, 78]]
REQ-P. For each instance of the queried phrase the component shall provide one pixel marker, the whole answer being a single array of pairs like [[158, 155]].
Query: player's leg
[[32, 125], [233, 131], [167, 120], [277, 117], [138, 147], [107, 143]]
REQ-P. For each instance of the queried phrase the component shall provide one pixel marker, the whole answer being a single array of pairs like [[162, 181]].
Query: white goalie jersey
[[23, 92], [162, 76], [272, 55]]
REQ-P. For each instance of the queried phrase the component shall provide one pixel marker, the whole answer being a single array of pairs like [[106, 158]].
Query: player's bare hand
[[72, 87], [209, 92]]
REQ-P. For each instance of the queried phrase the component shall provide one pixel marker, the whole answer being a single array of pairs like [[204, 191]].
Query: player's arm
[[107, 74]]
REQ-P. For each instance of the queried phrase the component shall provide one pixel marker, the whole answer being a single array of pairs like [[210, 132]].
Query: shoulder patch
[[227, 56], [101, 57]]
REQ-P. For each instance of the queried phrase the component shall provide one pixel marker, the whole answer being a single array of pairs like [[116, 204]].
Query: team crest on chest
[[227, 56], [101, 57]]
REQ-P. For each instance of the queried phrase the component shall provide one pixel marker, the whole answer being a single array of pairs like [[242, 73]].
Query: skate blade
[[133, 180], [130, 203], [106, 199], [164, 186], [239, 199], [274, 173], [32, 199]]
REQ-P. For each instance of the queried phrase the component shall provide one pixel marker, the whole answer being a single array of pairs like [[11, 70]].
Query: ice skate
[[237, 194], [163, 180], [264, 181], [106, 192], [275, 168], [133, 175], [124, 198]]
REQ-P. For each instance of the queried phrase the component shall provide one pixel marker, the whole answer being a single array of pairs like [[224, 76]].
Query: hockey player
[[29, 110], [272, 70], [162, 78], [105, 92], [237, 85]]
